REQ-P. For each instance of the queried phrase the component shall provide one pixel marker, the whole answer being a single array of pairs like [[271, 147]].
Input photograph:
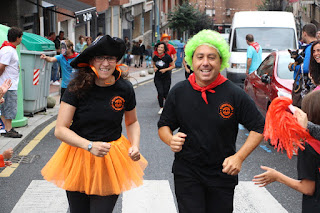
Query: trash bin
[[20, 120], [180, 52], [36, 72]]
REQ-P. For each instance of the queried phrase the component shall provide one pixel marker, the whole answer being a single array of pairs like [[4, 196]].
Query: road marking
[[42, 196], [241, 127], [34, 142], [250, 198], [28, 148], [153, 196], [9, 170], [265, 148]]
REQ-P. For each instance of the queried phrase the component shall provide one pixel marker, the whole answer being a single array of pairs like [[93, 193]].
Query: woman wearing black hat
[[95, 163]]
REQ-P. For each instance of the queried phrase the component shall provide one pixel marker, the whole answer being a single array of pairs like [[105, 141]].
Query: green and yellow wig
[[210, 38]]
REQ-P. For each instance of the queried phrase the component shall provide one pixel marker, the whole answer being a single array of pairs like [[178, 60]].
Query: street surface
[[26, 191]]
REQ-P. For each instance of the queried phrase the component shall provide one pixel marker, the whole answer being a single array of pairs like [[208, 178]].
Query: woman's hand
[[100, 149], [134, 153], [267, 177], [155, 69]]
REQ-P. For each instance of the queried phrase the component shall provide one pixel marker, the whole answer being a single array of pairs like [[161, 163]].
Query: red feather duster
[[283, 129]]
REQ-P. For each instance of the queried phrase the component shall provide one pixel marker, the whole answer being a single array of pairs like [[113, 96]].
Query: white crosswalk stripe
[[155, 196]]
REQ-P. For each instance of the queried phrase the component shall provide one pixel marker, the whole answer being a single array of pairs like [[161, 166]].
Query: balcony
[[118, 2]]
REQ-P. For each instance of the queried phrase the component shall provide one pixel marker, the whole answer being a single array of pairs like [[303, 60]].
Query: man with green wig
[[207, 110]]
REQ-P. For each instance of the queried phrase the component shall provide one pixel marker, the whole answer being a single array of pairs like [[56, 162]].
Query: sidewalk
[[51, 113]]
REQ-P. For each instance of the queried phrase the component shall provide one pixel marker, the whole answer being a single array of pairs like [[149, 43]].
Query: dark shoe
[[12, 134]]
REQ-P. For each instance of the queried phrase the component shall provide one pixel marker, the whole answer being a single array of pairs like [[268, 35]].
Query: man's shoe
[[56, 83], [160, 111], [12, 134]]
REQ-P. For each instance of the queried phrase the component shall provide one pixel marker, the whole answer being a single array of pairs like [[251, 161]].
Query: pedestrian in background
[[308, 37], [171, 50], [55, 65], [142, 50], [80, 45], [89, 42], [318, 35], [127, 58], [148, 54], [254, 54], [64, 59], [187, 69], [162, 65], [207, 110], [308, 161], [9, 69], [136, 54], [95, 162], [314, 67]]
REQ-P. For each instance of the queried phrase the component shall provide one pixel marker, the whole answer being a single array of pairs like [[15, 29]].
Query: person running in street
[[10, 69], [162, 65], [207, 110], [95, 162], [254, 54], [64, 59], [171, 50]]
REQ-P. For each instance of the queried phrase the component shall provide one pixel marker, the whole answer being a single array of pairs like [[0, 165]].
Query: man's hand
[[232, 165], [5, 87], [290, 66], [43, 56], [177, 141]]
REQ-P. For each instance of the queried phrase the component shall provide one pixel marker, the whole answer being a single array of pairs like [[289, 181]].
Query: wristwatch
[[89, 146]]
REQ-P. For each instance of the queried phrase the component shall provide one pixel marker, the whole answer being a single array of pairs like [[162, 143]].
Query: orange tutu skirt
[[75, 169]]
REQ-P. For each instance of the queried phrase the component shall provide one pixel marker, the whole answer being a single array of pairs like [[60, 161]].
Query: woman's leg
[[166, 86], [102, 204], [78, 202], [159, 85]]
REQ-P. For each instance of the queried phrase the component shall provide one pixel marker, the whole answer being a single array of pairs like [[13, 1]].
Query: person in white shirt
[[9, 69]]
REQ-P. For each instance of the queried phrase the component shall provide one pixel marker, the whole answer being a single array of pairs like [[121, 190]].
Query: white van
[[271, 29]]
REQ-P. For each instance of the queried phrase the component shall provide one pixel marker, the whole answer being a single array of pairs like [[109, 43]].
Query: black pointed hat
[[103, 45]]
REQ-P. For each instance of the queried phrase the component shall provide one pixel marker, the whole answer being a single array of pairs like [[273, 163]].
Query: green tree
[[187, 18]]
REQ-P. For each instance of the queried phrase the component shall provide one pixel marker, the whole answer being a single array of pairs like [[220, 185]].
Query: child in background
[[308, 162], [148, 54]]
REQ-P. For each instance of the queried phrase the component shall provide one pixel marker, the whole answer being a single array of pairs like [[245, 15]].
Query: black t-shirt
[[99, 113], [309, 168], [211, 129], [162, 63]]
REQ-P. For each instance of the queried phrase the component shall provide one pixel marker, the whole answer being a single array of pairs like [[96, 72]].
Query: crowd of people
[[199, 120]]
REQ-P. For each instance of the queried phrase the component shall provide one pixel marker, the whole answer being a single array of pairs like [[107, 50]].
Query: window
[[266, 66]]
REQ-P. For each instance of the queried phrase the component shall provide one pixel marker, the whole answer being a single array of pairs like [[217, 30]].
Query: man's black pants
[[194, 196], [163, 86], [82, 203]]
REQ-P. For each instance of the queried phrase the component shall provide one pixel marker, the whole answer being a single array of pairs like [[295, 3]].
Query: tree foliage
[[187, 18]]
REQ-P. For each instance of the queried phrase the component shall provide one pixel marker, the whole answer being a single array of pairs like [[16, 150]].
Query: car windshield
[[283, 62], [269, 38]]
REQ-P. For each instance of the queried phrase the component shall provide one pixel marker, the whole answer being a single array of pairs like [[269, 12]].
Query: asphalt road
[[158, 155]]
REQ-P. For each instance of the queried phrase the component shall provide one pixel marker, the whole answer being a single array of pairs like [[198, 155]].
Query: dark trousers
[[163, 86], [82, 203], [194, 196]]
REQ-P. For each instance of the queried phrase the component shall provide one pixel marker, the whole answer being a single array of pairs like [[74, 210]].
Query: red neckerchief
[[315, 144], [71, 56], [157, 54], [256, 46], [6, 43], [220, 79]]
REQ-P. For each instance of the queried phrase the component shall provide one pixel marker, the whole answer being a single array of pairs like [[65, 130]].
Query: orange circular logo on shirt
[[117, 103], [226, 110]]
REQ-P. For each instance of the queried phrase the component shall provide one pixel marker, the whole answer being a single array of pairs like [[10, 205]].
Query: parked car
[[272, 79]]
